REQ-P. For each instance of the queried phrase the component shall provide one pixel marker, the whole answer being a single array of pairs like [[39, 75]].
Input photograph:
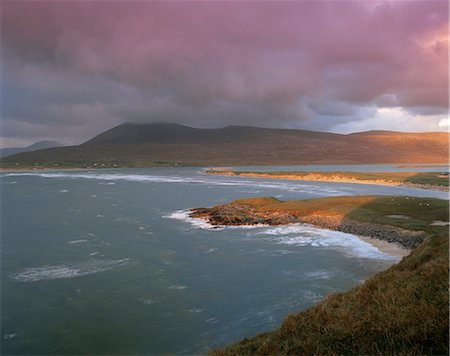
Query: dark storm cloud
[[81, 67]]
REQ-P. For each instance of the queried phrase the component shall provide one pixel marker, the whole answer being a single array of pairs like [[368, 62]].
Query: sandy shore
[[314, 177], [388, 248]]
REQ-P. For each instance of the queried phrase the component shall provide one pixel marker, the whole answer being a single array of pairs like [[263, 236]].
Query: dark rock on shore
[[239, 214], [235, 214]]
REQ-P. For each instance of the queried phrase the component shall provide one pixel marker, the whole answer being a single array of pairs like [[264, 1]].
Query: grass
[[415, 178], [400, 311], [421, 212]]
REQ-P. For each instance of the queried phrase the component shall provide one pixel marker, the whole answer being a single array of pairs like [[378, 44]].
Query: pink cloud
[[285, 55]]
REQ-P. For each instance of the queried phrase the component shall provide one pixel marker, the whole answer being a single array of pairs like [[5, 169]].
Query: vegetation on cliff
[[403, 310]]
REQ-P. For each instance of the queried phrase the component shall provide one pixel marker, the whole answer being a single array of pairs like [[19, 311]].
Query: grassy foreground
[[420, 180], [403, 310]]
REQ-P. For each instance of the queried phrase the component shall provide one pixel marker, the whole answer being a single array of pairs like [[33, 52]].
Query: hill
[[4, 152], [140, 145]]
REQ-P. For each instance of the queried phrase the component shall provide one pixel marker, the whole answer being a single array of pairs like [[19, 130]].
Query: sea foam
[[200, 223], [306, 235], [296, 235], [292, 186], [68, 270]]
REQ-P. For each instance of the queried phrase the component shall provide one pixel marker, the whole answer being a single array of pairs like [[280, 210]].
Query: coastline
[[389, 248], [364, 216], [314, 177]]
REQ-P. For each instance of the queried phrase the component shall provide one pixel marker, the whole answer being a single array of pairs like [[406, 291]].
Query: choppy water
[[107, 262]]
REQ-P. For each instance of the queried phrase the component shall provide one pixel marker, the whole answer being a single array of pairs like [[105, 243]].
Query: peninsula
[[422, 180], [403, 310]]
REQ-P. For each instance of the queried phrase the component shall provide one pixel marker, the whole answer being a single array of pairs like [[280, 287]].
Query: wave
[[148, 301], [291, 186], [306, 235], [72, 242], [213, 180], [183, 215], [68, 270], [296, 235], [200, 223], [177, 287]]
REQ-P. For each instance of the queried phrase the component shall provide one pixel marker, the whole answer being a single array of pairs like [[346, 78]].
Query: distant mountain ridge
[[4, 152], [141, 145]]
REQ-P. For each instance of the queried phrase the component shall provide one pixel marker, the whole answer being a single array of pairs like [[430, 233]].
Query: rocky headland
[[271, 211]]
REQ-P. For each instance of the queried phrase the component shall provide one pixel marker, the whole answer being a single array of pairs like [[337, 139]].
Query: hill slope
[[135, 145], [400, 311], [4, 152]]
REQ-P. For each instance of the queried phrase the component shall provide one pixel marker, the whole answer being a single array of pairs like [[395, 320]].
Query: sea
[[109, 262]]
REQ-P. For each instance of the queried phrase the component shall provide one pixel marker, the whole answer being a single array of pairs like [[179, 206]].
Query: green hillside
[[144, 145]]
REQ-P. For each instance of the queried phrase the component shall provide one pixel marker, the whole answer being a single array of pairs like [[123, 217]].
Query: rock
[[237, 214]]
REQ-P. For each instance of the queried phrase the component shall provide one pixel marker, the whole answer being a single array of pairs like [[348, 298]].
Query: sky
[[72, 69]]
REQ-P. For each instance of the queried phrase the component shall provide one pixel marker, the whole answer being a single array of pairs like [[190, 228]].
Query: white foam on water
[[295, 186], [203, 179], [296, 235], [198, 223], [147, 301], [281, 252], [68, 270], [63, 191], [196, 310], [319, 274], [177, 287], [310, 295], [9, 336], [306, 235], [77, 241], [212, 321]]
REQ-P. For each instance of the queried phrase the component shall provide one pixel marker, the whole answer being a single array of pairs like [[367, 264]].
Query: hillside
[[140, 145], [4, 152], [400, 311]]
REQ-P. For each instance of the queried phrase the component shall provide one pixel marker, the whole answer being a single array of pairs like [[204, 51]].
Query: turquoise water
[[106, 262]]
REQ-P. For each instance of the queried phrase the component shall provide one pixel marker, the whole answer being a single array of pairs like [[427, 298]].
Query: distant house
[[443, 175]]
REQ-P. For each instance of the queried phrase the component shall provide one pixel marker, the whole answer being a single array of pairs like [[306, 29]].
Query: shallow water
[[107, 262]]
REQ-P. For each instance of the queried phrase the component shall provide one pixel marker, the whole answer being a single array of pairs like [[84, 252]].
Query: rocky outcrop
[[239, 214], [236, 214]]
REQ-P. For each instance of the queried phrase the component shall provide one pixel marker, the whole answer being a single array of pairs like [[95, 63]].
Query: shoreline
[[327, 179], [386, 247], [389, 248], [336, 213]]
